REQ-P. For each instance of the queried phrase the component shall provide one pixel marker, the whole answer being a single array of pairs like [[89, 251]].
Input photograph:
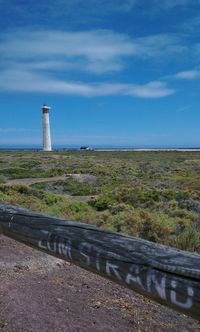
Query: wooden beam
[[166, 275]]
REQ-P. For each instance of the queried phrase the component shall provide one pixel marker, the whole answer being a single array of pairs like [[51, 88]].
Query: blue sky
[[120, 73]]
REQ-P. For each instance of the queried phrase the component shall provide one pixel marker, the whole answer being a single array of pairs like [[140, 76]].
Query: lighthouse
[[46, 128]]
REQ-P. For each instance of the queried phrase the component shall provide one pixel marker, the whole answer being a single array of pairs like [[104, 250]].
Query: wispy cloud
[[23, 81], [29, 140], [165, 6], [18, 130], [169, 4], [187, 75], [64, 8], [95, 51], [197, 49], [99, 51], [154, 89], [184, 108], [160, 46], [33, 62], [155, 7], [88, 9], [191, 25], [97, 44], [62, 14]]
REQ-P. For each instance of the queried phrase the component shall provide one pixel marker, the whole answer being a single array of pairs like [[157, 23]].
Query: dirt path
[[78, 177], [30, 181], [42, 293]]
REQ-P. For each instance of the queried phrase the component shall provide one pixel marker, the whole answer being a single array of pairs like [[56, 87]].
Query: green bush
[[103, 202], [189, 239], [2, 179], [79, 189]]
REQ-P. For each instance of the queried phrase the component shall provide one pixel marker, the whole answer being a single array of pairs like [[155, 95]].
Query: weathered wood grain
[[166, 275]]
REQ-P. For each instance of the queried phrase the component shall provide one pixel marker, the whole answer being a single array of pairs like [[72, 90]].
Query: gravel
[[42, 293]]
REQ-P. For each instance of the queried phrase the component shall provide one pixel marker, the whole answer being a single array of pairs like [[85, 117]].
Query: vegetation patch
[[153, 195]]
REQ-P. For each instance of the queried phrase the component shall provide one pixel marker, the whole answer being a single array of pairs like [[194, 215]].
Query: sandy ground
[[42, 293]]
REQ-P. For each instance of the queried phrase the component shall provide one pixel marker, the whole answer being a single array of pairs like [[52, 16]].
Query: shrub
[[189, 239], [103, 202], [79, 189], [2, 179]]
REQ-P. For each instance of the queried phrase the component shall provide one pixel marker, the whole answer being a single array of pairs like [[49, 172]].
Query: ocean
[[101, 147]]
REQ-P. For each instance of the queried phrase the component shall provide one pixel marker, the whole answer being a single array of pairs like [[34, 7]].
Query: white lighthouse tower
[[46, 128]]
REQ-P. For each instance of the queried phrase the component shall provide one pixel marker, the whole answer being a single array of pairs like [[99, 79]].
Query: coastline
[[100, 149], [147, 150]]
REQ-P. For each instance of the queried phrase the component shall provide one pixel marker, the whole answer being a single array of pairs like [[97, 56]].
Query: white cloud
[[98, 51], [33, 61], [187, 75], [155, 89], [94, 45], [24, 81], [184, 75]]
